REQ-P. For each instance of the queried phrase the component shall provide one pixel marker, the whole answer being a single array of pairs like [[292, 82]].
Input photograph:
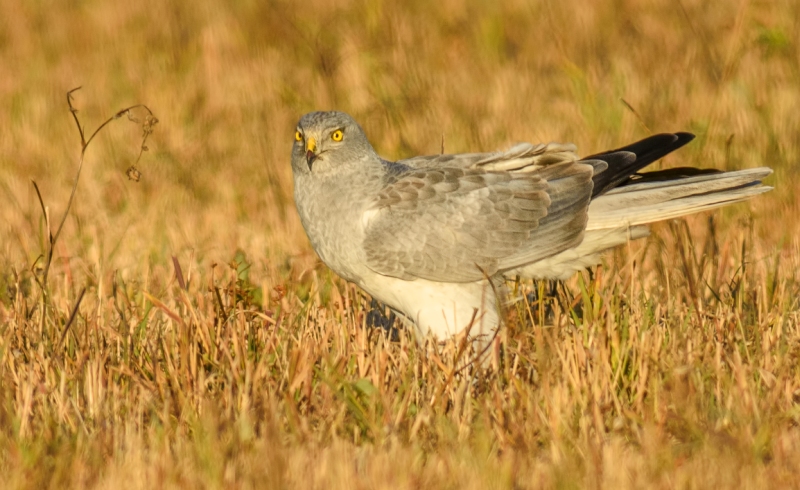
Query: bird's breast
[[331, 215]]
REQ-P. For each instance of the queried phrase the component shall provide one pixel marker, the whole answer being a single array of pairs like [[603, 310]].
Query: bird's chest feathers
[[331, 215]]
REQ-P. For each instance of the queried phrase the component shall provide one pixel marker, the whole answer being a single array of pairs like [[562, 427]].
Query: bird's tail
[[622, 213], [660, 196]]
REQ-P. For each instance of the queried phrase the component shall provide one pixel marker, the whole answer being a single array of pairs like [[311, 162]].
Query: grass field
[[211, 348]]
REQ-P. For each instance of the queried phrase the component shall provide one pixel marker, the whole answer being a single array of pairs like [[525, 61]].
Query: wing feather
[[522, 157], [458, 224]]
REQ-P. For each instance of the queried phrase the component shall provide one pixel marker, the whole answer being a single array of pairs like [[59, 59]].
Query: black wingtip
[[647, 151], [684, 138]]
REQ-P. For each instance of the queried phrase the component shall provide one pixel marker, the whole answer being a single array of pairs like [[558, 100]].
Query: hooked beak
[[311, 146]]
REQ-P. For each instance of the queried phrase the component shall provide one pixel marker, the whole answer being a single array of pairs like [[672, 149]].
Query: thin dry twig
[[635, 113], [148, 126], [71, 317]]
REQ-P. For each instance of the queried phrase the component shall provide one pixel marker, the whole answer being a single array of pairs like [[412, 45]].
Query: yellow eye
[[337, 135], [298, 136]]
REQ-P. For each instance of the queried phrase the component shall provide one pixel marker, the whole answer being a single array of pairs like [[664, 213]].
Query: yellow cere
[[337, 135]]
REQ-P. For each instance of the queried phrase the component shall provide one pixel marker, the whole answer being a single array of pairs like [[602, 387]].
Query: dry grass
[[676, 364]]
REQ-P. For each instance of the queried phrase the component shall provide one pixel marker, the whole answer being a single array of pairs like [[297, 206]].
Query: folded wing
[[453, 224]]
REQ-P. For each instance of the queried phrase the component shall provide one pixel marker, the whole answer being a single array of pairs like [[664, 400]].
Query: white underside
[[440, 309]]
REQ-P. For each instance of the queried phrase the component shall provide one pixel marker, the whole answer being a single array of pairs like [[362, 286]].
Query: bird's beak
[[311, 146]]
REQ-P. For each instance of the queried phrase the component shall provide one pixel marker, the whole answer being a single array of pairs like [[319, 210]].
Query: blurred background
[[674, 365], [229, 80]]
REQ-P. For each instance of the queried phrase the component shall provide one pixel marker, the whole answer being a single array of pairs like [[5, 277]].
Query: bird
[[436, 238]]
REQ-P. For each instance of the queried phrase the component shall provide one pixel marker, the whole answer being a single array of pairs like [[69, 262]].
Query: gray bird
[[435, 237]]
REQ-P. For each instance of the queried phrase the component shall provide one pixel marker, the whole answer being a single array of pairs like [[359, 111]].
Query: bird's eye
[[298, 136], [337, 135]]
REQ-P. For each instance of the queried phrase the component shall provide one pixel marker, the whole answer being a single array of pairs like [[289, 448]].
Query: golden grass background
[[673, 365]]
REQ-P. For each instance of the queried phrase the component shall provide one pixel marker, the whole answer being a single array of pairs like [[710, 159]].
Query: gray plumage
[[435, 237]]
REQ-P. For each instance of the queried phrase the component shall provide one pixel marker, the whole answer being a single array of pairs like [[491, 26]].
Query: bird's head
[[324, 140]]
